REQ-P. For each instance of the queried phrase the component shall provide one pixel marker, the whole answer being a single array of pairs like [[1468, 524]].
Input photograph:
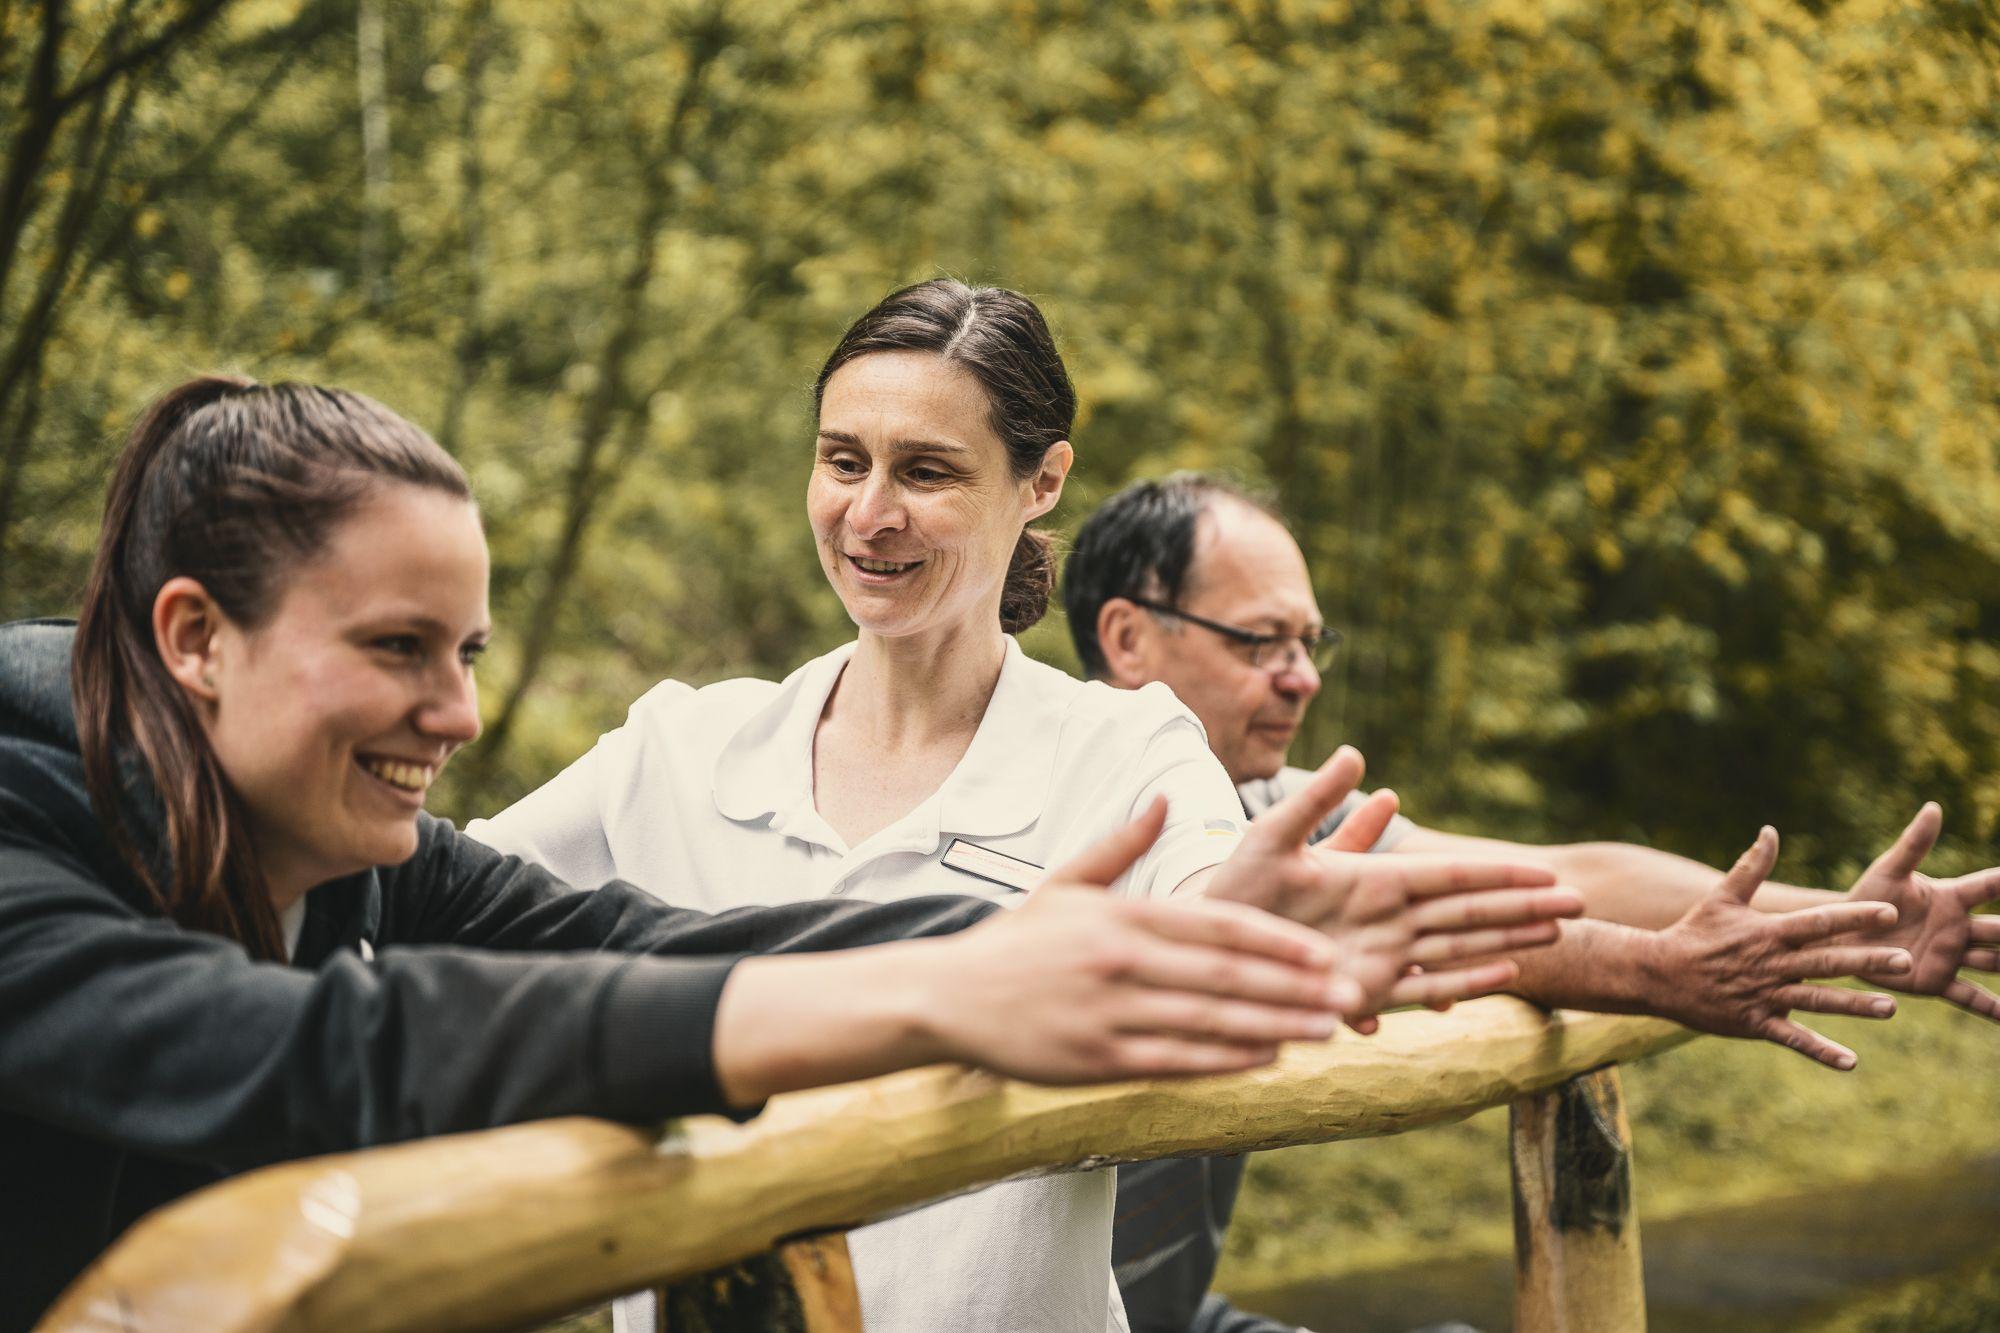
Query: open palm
[[1935, 920], [1384, 914]]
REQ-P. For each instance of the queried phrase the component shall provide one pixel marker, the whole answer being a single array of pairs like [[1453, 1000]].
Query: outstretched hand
[[1076, 985], [1934, 919], [1384, 914], [1729, 969]]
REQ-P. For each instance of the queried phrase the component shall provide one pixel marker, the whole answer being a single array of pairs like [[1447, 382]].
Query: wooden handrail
[[501, 1228]]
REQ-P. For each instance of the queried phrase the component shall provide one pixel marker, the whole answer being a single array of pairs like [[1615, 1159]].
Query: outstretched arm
[[1073, 986], [1386, 913], [1936, 923], [1620, 881]]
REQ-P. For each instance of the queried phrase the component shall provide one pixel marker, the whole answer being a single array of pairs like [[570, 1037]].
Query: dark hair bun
[[1031, 578]]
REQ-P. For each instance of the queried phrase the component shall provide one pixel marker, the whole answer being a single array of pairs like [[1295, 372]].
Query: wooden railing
[[504, 1228]]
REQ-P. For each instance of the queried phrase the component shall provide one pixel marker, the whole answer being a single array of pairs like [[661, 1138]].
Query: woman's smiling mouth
[[405, 777], [870, 570]]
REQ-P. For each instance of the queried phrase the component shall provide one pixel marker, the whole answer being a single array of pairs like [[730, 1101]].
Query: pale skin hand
[[1727, 968], [1934, 921], [1074, 986], [1385, 914]]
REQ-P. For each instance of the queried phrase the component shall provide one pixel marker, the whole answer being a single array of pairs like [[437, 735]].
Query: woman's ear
[[1046, 486], [186, 625]]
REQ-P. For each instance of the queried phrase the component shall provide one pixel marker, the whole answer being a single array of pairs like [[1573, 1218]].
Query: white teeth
[[880, 566], [410, 777]]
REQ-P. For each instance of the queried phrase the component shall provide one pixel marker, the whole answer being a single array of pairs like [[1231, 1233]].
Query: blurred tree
[[1628, 372]]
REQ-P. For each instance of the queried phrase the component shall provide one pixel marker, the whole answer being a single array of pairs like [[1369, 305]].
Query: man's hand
[[1385, 913], [1934, 920], [1729, 969]]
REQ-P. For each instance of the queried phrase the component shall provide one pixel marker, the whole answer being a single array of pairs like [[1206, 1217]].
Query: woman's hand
[[1074, 986], [1384, 914], [1730, 969], [1077, 986]]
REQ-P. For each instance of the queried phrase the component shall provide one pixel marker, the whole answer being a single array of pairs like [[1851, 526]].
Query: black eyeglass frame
[[1318, 650]]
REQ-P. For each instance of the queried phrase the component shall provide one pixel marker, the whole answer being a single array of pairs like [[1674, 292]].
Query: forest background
[[1630, 372]]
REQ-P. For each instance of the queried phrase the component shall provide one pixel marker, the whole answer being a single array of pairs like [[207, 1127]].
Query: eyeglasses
[[1268, 652]]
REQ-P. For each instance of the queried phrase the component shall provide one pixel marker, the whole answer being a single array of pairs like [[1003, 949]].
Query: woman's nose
[[452, 711], [877, 507]]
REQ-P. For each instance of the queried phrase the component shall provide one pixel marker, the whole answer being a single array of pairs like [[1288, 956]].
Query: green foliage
[[1968, 1301], [1714, 1123], [1628, 372]]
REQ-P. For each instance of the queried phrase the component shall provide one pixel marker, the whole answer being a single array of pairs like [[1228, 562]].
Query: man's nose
[[1298, 678]]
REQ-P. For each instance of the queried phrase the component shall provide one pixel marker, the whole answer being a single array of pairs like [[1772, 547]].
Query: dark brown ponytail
[[232, 484], [1001, 338], [1031, 578]]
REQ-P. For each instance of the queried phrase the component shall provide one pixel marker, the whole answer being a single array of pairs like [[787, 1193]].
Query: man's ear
[[1046, 486], [1125, 635], [186, 631]]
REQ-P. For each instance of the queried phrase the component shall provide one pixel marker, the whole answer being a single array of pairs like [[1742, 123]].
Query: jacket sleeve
[[458, 890], [131, 1030]]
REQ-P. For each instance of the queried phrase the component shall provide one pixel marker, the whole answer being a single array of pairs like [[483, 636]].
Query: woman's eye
[[928, 476], [846, 467], [400, 645], [471, 653]]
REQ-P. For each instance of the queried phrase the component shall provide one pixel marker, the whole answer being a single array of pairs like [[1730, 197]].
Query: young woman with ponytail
[[931, 755], [229, 935]]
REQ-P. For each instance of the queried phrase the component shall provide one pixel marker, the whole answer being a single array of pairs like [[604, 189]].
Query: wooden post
[[806, 1286], [1576, 1235]]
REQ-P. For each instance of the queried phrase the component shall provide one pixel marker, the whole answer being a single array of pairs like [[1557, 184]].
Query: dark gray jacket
[[139, 1060]]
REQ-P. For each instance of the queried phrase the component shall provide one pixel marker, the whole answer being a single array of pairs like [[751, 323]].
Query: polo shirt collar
[[999, 787], [1003, 782], [765, 770]]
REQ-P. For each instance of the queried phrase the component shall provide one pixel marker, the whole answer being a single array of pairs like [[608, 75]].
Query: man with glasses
[[1189, 581]]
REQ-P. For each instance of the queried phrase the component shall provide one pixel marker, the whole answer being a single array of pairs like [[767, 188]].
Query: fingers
[[1112, 855], [1985, 929], [1220, 974], [1236, 927], [1436, 876], [1291, 821], [1365, 824], [1977, 889], [1752, 868], [1985, 960], [1454, 984], [1847, 962], [1973, 999], [1434, 949], [1239, 1022], [1908, 851], [1818, 923], [1836, 1000], [1493, 909], [1807, 1043], [1150, 1055]]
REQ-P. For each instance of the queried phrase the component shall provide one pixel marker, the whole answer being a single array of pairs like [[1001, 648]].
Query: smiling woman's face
[[914, 507], [332, 718]]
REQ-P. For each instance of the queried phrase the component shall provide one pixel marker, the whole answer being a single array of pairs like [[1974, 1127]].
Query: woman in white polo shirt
[[932, 755]]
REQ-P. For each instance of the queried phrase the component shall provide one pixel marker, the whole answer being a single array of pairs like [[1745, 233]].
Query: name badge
[[994, 867]]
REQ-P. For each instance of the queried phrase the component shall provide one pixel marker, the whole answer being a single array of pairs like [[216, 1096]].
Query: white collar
[[998, 787]]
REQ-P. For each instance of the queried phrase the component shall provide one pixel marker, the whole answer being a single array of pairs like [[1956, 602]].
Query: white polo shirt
[[704, 797]]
